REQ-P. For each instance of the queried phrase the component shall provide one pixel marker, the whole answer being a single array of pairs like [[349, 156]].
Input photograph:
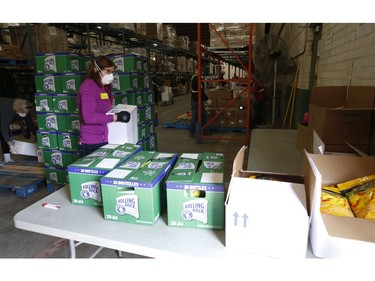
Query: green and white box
[[43, 102], [47, 121], [85, 173], [68, 141], [127, 62], [135, 191], [58, 62], [195, 191], [70, 82], [59, 158], [123, 82], [65, 103], [47, 83], [135, 98], [47, 139], [119, 98], [56, 175]]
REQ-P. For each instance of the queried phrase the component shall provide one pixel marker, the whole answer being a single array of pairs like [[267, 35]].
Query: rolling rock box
[[85, 173], [134, 192], [195, 191]]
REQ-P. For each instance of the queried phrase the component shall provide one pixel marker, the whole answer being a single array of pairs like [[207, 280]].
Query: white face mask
[[107, 79], [21, 114]]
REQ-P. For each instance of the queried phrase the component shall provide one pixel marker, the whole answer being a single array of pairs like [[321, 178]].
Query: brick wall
[[346, 55]]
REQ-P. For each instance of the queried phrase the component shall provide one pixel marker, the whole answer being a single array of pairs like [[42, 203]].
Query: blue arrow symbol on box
[[245, 217], [235, 215]]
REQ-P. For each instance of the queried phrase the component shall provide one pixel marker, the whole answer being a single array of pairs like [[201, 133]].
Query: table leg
[[72, 249]]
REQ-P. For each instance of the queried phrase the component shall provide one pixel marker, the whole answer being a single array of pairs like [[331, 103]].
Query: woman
[[94, 100], [10, 109]]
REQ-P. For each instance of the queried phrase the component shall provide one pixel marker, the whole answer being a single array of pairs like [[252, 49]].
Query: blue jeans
[[86, 149], [194, 117]]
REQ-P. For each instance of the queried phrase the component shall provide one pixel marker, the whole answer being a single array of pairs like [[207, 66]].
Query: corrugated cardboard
[[266, 217], [335, 236], [342, 114]]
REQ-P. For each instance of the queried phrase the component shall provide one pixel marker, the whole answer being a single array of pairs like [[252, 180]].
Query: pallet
[[24, 180]]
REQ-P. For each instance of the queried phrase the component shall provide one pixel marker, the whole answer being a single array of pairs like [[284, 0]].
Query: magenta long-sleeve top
[[93, 102]]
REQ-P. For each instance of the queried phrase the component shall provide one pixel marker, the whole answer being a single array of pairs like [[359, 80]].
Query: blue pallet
[[24, 185]]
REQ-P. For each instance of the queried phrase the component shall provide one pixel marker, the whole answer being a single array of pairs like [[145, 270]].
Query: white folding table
[[86, 224]]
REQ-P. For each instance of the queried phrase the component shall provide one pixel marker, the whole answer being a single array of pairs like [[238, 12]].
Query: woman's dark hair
[[93, 71]]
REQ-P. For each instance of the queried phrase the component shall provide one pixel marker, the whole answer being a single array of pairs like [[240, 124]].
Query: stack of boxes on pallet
[[132, 85], [58, 78], [235, 116]]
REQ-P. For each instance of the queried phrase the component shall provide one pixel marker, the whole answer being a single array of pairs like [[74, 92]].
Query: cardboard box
[[119, 132], [58, 62], [195, 191], [85, 173], [65, 103], [334, 236], [311, 141], [224, 94], [342, 114], [47, 83], [47, 139], [56, 175], [266, 217], [59, 158], [44, 102], [25, 148], [135, 192]]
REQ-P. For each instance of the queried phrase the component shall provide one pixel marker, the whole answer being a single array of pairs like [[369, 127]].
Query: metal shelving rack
[[237, 56]]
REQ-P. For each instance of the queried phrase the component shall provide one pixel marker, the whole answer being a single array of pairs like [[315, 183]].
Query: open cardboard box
[[334, 236], [266, 217], [341, 114]]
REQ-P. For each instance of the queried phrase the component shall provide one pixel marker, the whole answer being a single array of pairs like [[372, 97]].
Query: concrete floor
[[16, 243]]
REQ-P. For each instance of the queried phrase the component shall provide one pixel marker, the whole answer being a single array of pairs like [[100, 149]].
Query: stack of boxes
[[58, 78], [132, 85]]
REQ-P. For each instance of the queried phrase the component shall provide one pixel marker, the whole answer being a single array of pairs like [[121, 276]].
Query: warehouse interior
[[304, 69]]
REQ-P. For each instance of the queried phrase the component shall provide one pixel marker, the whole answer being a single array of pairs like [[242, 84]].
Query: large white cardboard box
[[266, 217], [335, 236], [121, 133]]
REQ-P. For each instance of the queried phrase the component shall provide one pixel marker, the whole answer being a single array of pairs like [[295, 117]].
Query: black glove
[[123, 116]]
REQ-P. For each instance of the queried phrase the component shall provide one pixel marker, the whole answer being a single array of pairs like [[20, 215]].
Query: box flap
[[331, 94], [313, 183], [238, 161], [361, 96]]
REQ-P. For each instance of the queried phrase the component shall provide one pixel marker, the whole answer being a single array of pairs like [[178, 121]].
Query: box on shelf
[[134, 192], [195, 191], [335, 236], [85, 173], [266, 216], [119, 132], [341, 114]]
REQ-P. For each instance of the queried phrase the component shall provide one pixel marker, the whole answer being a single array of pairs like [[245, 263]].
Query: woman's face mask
[[107, 79], [21, 114]]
